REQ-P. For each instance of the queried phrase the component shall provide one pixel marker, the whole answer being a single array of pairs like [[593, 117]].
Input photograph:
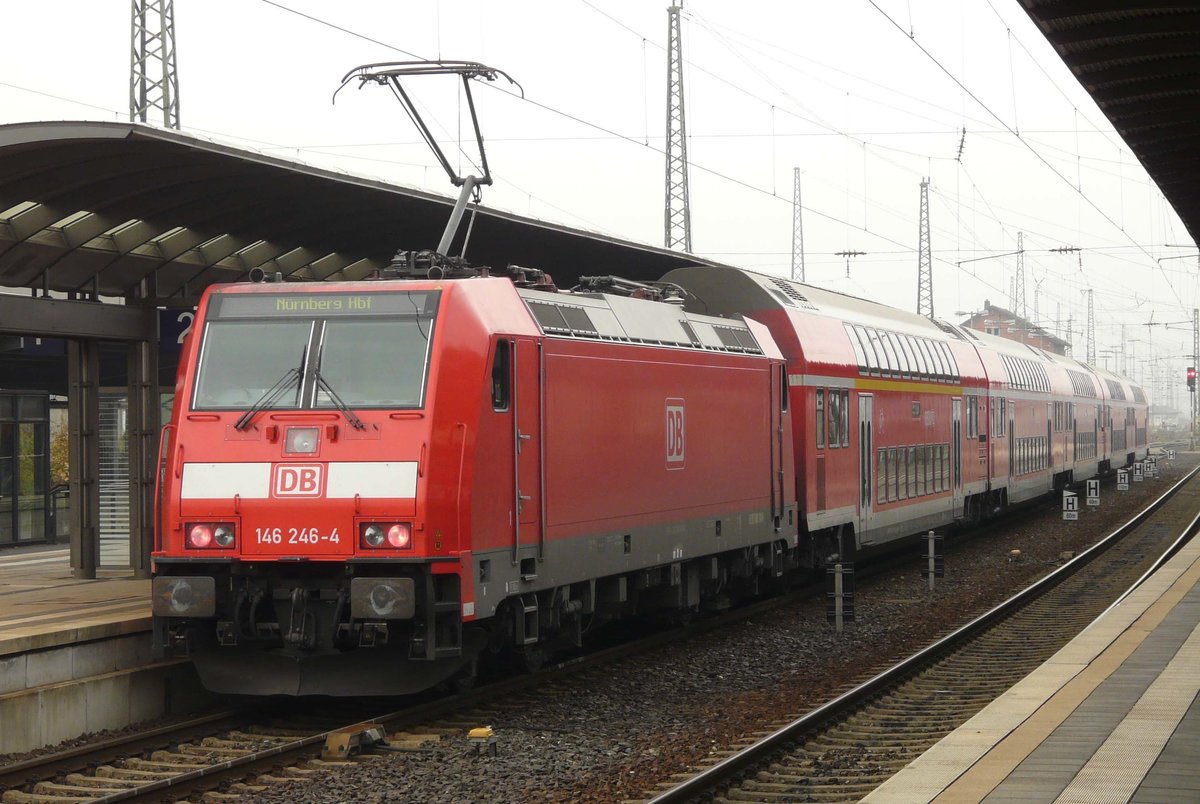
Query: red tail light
[[210, 535], [385, 535], [400, 535]]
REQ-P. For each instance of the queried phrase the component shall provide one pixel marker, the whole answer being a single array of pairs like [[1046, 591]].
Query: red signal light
[[1191, 378]]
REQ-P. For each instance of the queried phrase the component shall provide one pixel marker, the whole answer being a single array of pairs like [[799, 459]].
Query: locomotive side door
[[528, 404], [956, 456], [866, 456]]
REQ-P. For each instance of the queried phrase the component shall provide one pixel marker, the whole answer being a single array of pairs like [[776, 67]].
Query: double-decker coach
[[911, 424]]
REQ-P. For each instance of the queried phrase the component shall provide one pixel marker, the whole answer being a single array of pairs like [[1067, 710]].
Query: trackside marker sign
[[675, 432]]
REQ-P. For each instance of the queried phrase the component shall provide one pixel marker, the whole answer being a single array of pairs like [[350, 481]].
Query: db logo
[[297, 480], [675, 434]]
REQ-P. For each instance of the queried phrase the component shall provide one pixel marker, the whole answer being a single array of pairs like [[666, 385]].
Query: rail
[[713, 777]]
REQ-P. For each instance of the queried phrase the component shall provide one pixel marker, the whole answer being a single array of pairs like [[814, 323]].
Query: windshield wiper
[[268, 399], [350, 415]]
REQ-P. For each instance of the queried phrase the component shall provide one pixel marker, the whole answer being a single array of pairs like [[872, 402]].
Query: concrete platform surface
[[43, 606], [1112, 717]]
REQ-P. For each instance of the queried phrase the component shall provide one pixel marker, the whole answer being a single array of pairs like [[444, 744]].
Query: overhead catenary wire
[[1017, 134]]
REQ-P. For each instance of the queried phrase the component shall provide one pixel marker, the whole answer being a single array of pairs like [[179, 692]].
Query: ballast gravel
[[612, 735]]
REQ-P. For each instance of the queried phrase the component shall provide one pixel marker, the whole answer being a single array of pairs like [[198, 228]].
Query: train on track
[[369, 487]]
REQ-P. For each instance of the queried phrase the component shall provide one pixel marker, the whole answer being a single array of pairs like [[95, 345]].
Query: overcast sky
[[865, 98]]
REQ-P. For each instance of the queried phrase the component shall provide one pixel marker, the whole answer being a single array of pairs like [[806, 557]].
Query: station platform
[[1112, 717], [76, 655], [42, 605]]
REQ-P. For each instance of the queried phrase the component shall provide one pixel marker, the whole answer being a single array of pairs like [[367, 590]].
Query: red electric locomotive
[[370, 485]]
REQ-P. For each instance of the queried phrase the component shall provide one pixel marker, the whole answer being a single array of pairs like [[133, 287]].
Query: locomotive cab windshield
[[355, 351]]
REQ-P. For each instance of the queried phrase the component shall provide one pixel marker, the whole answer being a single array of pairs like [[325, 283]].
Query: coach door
[[527, 454], [866, 453], [956, 457]]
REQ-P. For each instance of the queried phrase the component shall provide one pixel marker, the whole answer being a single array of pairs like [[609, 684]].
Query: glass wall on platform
[[24, 468]]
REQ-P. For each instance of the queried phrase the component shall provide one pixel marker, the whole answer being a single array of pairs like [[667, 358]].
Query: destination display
[[321, 305]]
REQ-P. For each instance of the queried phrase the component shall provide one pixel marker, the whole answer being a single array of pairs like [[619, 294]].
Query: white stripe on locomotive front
[[220, 481], [252, 481], [372, 479]]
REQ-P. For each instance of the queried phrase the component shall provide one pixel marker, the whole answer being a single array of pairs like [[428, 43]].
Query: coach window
[[918, 357], [920, 472], [909, 357], [951, 364], [871, 347], [881, 477], [911, 465], [893, 362], [820, 418], [887, 362], [914, 361], [922, 359], [501, 377], [864, 341], [901, 359], [891, 472], [845, 418], [939, 360], [835, 418], [859, 354], [784, 390]]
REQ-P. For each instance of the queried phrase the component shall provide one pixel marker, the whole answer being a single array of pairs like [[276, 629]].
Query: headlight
[[394, 535], [223, 536], [209, 535], [301, 440], [372, 536]]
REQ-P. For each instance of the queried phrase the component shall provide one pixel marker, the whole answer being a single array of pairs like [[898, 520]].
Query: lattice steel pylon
[[924, 258], [1019, 287], [1091, 332], [678, 214], [153, 79], [797, 229]]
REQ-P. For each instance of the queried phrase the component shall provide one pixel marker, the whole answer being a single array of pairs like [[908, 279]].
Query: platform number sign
[[1137, 472], [1070, 506], [1093, 492], [675, 434], [1122, 480]]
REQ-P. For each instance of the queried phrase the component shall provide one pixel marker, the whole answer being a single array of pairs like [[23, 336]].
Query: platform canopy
[[1140, 61], [95, 208]]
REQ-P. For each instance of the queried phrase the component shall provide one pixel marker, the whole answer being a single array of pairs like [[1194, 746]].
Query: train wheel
[[464, 680], [531, 658]]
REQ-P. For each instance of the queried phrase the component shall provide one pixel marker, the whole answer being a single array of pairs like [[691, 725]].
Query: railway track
[[848, 747], [241, 751]]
